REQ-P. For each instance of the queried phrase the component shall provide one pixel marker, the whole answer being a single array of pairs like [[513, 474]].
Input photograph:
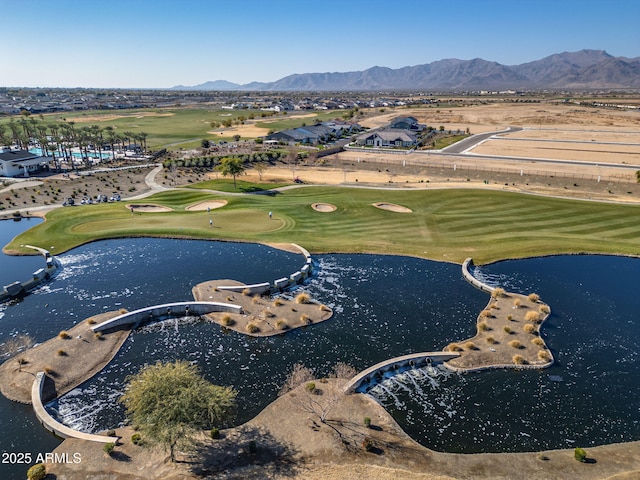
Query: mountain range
[[585, 69]]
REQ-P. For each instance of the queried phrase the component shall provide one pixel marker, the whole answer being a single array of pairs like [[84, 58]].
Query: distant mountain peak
[[567, 70]]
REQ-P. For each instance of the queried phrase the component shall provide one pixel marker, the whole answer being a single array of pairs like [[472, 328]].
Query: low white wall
[[473, 280]]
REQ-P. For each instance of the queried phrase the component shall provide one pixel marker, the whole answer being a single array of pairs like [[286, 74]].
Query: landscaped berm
[[262, 315], [508, 335]]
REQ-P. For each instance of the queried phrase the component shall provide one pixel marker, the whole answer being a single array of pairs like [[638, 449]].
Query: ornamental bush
[[37, 472], [580, 454]]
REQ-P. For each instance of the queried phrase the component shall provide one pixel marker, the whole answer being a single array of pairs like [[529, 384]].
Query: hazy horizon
[[161, 44]]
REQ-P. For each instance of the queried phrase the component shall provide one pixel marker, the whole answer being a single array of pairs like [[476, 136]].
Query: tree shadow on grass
[[238, 453]]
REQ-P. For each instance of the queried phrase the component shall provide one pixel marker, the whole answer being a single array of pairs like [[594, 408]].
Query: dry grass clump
[[516, 344], [91, 321], [453, 347], [494, 306], [470, 346], [533, 297], [246, 292], [227, 320], [498, 292], [268, 313], [491, 340], [529, 328], [519, 360], [303, 297], [324, 308], [49, 371], [62, 353], [537, 341], [64, 335], [256, 299], [544, 356], [532, 316], [544, 309], [486, 313], [281, 325], [507, 330], [516, 303], [229, 298], [305, 319], [252, 328], [510, 318], [98, 336], [123, 311], [484, 327], [278, 302]]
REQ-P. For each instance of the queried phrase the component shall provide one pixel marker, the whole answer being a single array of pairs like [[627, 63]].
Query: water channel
[[384, 306]]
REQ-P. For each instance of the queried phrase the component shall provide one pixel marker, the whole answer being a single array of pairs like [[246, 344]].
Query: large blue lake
[[384, 306]]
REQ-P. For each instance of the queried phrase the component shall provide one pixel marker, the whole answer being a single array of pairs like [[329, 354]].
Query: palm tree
[[143, 139]]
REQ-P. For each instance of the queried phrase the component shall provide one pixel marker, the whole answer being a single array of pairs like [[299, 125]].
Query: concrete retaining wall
[[256, 288], [177, 309], [411, 360], [17, 289], [473, 280], [55, 427]]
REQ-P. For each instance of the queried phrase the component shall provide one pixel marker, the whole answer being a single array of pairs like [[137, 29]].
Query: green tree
[[170, 402], [231, 166], [236, 138]]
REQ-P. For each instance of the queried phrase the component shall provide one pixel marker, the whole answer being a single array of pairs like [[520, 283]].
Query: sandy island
[[261, 315], [323, 207]]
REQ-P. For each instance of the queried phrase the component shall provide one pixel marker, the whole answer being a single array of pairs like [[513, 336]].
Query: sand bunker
[[209, 204], [148, 207], [323, 207], [392, 207]]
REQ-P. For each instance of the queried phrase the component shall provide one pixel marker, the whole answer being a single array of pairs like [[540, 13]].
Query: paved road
[[464, 145]]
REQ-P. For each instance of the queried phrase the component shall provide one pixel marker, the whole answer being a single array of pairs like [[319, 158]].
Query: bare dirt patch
[[207, 205], [323, 207], [392, 207], [112, 116], [148, 208]]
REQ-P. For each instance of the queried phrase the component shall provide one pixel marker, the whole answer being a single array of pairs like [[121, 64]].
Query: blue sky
[[162, 43]]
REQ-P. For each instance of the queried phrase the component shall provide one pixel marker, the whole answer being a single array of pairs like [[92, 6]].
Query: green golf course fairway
[[445, 225]]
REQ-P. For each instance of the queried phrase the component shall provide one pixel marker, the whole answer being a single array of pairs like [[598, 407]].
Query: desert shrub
[[268, 313], [252, 328], [49, 371], [532, 316], [485, 313], [498, 292], [533, 297], [303, 298], [491, 340], [580, 454], [123, 311], [515, 344], [544, 356], [281, 325], [310, 387], [510, 318], [226, 320], [98, 336], [255, 299], [507, 330], [215, 433], [37, 472], [136, 439], [62, 353], [108, 448], [470, 346], [454, 347], [324, 308], [529, 328], [246, 292], [305, 319], [544, 309], [537, 341], [519, 360], [367, 422], [484, 327], [516, 302], [494, 306], [91, 321], [278, 302], [368, 444], [64, 335]]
